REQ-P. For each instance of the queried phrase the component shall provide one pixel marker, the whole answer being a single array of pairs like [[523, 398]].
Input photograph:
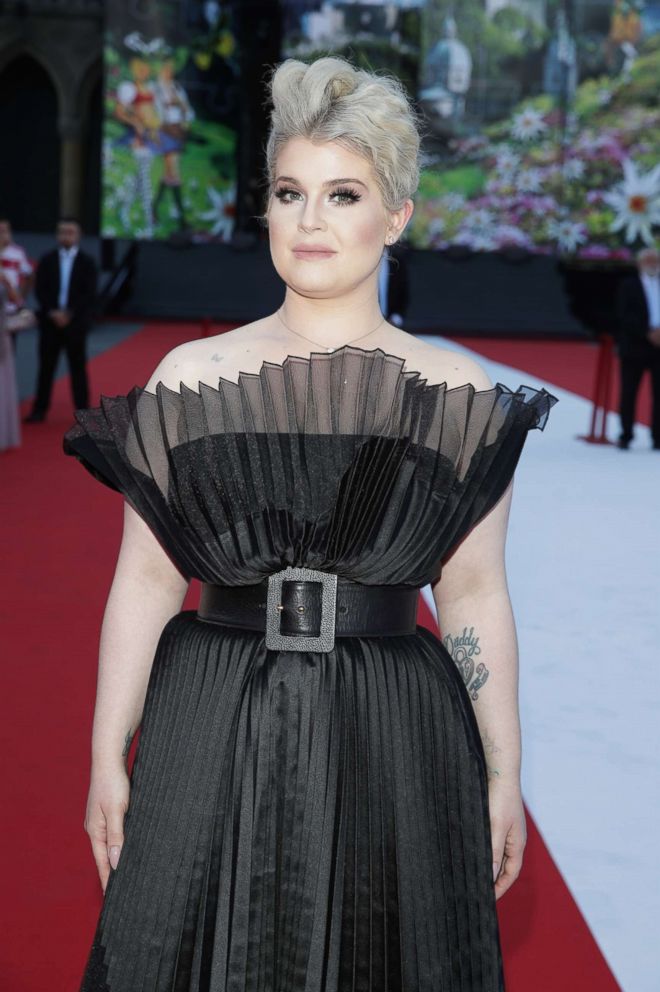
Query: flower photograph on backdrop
[[543, 119], [572, 165]]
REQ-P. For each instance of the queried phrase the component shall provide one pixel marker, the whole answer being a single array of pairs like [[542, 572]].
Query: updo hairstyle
[[369, 113]]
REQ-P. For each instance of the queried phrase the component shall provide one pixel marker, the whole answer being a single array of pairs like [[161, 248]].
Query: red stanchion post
[[608, 365], [601, 394]]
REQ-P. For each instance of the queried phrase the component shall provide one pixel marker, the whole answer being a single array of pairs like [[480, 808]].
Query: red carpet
[[60, 537]]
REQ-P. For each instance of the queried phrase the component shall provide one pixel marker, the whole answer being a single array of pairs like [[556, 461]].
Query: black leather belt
[[301, 609]]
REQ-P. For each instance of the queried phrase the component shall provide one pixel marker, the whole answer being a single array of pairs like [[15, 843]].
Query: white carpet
[[583, 560]]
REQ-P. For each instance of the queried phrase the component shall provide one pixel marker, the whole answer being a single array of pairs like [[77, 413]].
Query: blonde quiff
[[369, 113]]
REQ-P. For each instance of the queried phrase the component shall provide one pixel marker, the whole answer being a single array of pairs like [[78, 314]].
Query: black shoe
[[36, 417], [623, 443], [656, 445]]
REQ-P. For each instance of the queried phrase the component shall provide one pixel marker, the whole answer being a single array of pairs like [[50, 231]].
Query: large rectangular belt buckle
[[275, 640]]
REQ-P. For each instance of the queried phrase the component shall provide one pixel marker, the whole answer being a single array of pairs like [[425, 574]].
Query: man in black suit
[[66, 292], [638, 341]]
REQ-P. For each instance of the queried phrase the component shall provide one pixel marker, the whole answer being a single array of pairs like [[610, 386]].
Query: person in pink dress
[[16, 269], [10, 428]]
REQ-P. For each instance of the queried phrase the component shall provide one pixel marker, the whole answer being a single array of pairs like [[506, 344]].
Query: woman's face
[[326, 218], [140, 70]]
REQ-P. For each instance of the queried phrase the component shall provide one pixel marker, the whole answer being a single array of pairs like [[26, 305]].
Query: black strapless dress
[[300, 821]]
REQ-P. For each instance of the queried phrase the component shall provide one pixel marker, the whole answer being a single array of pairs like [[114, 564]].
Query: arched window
[[30, 160]]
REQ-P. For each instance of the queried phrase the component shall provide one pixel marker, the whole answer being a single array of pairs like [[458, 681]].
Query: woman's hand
[[508, 832], [104, 819]]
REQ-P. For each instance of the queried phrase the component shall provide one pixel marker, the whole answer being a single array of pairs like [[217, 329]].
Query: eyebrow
[[330, 182]]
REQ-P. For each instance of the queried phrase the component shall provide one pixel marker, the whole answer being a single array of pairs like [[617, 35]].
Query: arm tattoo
[[127, 744], [490, 748], [464, 648]]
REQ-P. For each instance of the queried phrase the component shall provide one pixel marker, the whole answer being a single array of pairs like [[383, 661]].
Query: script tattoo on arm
[[127, 744], [464, 648]]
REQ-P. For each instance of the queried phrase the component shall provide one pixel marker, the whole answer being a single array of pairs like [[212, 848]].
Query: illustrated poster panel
[[169, 132]]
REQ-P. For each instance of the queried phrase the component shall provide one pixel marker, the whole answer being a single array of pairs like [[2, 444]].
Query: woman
[[309, 807], [10, 427]]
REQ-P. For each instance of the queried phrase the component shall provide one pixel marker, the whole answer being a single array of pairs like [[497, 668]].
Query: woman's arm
[[147, 590], [477, 627]]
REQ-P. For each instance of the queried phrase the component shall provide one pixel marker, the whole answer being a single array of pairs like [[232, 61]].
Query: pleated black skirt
[[302, 823]]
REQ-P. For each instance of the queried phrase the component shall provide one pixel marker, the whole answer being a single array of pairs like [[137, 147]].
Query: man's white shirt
[[67, 258], [651, 285], [383, 289]]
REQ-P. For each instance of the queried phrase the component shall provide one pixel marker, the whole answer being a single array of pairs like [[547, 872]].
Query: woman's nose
[[312, 215]]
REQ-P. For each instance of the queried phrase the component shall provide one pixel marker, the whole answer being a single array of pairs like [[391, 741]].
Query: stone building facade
[[56, 43]]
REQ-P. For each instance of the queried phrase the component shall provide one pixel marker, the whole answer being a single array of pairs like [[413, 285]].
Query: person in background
[[393, 292], [66, 293], [16, 272], [638, 342], [10, 428]]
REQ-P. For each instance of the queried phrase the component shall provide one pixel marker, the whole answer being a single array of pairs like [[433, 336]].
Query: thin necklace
[[324, 346]]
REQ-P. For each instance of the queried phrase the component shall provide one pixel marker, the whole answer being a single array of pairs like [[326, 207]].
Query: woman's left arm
[[478, 629]]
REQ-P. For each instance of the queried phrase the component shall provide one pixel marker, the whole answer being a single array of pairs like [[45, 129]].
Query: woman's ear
[[398, 220]]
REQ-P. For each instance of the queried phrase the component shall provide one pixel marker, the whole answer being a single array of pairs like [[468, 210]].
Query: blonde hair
[[366, 112]]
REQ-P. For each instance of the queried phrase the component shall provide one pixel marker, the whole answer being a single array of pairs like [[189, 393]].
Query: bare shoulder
[[206, 359], [173, 368], [437, 364]]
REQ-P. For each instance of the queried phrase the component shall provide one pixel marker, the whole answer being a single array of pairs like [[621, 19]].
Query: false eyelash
[[351, 195]]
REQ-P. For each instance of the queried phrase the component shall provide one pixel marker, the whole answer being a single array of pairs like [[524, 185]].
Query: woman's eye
[[346, 196], [283, 193], [341, 196]]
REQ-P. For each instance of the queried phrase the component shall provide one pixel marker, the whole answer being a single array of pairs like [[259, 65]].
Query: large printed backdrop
[[543, 115], [169, 162]]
